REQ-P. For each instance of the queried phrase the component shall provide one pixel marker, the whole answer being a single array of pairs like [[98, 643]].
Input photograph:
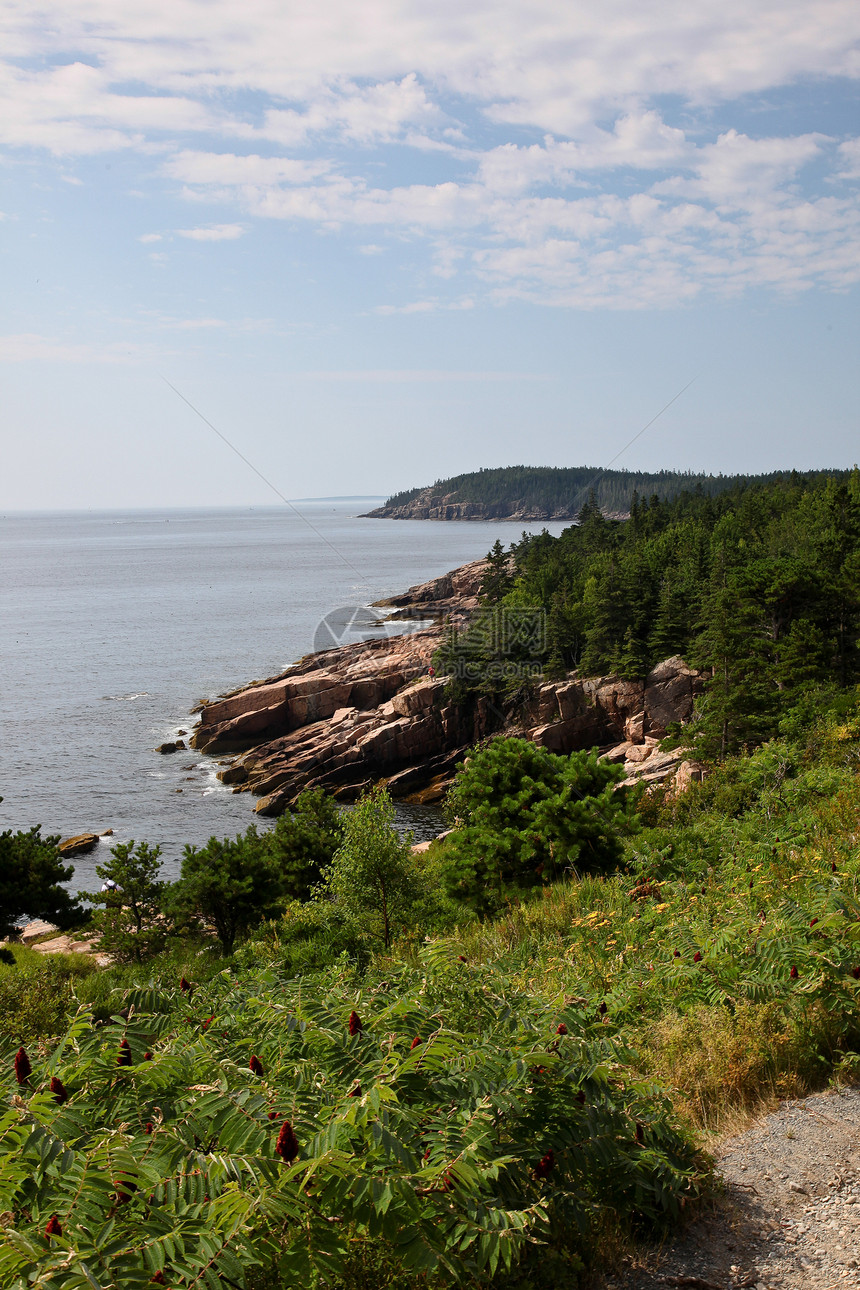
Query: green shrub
[[229, 885], [447, 1150], [525, 816], [373, 878], [36, 996], [304, 841]]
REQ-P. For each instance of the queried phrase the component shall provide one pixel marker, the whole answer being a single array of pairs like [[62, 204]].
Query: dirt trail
[[790, 1215]]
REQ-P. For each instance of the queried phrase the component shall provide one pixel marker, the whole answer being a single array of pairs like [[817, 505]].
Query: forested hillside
[[325, 1058], [760, 583], [561, 491]]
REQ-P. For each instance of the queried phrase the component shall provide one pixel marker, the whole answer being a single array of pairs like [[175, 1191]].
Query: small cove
[[113, 625]]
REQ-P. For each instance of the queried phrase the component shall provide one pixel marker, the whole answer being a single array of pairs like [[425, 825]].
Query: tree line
[[760, 585], [505, 490]]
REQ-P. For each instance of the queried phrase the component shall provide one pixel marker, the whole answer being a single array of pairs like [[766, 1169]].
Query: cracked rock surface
[[789, 1216]]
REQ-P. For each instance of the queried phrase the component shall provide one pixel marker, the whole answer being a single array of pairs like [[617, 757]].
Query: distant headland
[[529, 493]]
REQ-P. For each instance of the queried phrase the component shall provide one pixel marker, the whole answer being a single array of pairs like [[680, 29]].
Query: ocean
[[113, 625]]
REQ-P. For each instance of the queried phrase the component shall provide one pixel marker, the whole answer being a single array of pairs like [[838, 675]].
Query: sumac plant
[[176, 1174]]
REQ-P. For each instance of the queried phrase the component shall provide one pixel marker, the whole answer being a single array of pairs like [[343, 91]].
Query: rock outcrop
[[431, 504], [456, 592], [346, 717], [81, 844]]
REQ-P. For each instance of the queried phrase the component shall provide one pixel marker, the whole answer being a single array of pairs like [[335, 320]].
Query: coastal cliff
[[346, 717], [430, 505]]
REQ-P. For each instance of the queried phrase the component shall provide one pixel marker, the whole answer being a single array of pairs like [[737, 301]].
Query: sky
[[382, 243]]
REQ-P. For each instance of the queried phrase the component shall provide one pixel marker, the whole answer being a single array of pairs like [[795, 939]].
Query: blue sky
[[376, 244]]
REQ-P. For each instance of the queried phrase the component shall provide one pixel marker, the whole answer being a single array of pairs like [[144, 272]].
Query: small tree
[[498, 577], [525, 814], [31, 871], [304, 841], [231, 885], [373, 875], [131, 923]]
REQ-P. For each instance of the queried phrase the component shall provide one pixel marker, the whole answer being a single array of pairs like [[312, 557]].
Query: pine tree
[[670, 632], [130, 922], [498, 579], [740, 705]]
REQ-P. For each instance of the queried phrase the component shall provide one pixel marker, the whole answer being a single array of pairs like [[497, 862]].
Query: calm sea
[[114, 624]]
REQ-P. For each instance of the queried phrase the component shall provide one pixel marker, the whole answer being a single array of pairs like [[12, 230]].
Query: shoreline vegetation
[[324, 1058], [528, 493]]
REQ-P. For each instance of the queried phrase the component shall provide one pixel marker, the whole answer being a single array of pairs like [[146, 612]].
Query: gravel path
[[790, 1214]]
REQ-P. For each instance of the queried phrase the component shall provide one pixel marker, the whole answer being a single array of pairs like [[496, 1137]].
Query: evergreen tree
[[498, 578], [632, 661], [671, 630], [31, 874], [304, 841], [230, 885], [131, 923], [604, 638], [740, 706]]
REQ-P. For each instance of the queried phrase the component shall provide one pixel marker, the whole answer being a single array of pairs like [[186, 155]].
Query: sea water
[[113, 625]]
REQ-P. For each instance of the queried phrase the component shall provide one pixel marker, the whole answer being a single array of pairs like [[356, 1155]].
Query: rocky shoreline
[[346, 717], [429, 505]]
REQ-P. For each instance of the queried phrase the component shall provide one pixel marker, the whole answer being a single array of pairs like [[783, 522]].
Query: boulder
[[670, 690], [37, 927], [689, 772], [634, 727], [81, 844]]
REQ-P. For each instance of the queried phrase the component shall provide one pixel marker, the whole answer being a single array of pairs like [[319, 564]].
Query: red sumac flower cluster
[[545, 1165], [287, 1145], [23, 1069]]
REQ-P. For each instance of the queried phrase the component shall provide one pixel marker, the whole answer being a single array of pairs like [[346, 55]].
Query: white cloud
[[362, 114], [538, 163], [213, 233], [737, 169], [397, 376], [850, 156], [194, 324], [149, 237], [28, 347], [250, 171], [428, 306]]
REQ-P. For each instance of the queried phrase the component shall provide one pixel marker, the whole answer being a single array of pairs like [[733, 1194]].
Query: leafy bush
[[260, 1123], [373, 877], [525, 815], [36, 996]]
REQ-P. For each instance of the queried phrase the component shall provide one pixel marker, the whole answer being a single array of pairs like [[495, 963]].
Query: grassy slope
[[720, 963]]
